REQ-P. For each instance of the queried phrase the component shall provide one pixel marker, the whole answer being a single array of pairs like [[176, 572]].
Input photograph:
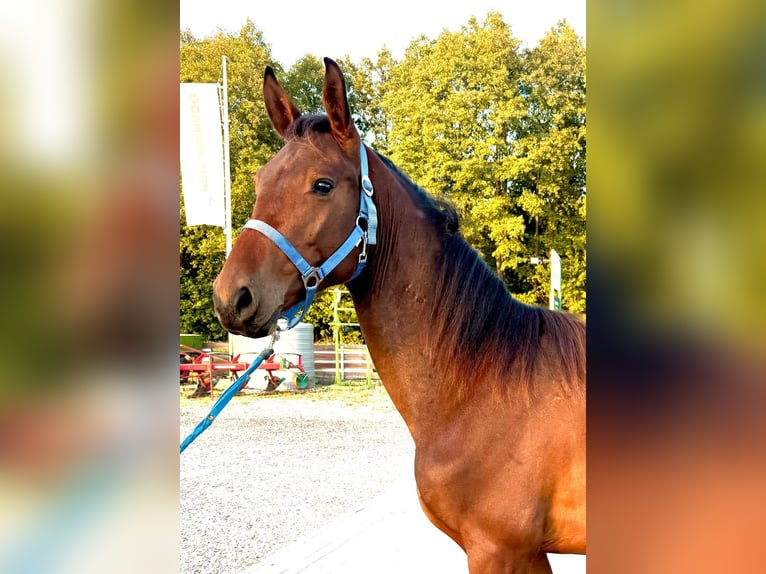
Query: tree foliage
[[497, 130], [500, 133]]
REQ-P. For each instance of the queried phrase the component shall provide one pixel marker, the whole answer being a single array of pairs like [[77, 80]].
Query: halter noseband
[[364, 232]]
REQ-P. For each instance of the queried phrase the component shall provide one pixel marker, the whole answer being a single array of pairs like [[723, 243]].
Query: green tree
[[366, 83], [550, 175], [303, 82], [454, 107], [501, 134]]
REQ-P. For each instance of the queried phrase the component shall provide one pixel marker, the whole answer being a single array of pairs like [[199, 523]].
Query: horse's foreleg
[[483, 561]]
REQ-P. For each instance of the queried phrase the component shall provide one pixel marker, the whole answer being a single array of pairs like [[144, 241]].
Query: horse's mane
[[473, 315]]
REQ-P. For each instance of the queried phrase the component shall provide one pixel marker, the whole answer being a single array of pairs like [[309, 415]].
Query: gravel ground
[[270, 470]]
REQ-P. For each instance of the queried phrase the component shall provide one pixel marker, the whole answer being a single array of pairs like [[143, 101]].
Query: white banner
[[555, 271], [202, 173], [555, 298]]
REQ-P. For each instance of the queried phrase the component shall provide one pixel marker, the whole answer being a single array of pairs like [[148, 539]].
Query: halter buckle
[[363, 252]]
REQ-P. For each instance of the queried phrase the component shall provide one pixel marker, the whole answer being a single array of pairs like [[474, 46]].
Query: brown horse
[[492, 390]]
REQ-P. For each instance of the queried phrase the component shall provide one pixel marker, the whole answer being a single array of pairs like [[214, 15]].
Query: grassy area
[[351, 393]]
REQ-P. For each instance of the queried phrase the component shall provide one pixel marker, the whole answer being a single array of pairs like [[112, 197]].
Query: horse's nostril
[[244, 299]]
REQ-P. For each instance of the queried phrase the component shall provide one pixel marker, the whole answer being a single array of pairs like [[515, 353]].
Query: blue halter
[[364, 233]]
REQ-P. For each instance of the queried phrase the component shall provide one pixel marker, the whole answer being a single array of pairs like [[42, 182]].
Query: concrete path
[[390, 534]]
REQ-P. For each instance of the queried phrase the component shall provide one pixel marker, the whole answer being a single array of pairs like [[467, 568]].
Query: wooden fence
[[354, 363]]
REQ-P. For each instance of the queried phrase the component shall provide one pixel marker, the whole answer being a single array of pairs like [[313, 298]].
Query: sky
[[294, 28]]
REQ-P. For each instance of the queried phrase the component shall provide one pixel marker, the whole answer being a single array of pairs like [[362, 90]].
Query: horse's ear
[[336, 105], [281, 109]]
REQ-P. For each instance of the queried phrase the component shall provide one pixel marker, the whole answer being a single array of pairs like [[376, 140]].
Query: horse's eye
[[322, 186]]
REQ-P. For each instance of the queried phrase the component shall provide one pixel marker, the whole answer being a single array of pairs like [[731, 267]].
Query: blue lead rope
[[225, 397]]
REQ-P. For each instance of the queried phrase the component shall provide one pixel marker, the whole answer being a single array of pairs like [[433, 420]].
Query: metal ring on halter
[[313, 275]]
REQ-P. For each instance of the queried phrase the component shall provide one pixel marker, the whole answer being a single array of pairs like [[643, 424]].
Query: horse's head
[[309, 194]]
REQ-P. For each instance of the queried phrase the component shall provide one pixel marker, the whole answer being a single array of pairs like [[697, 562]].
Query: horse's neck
[[394, 305]]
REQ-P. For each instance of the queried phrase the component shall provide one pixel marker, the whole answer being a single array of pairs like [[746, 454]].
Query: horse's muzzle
[[237, 310], [239, 314]]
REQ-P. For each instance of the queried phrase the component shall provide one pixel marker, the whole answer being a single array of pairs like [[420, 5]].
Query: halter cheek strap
[[364, 233]]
